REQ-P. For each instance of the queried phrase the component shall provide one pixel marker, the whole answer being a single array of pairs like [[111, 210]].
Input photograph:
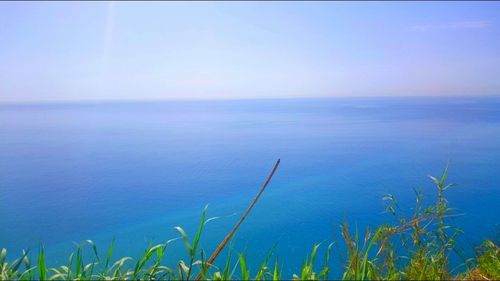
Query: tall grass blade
[[231, 233]]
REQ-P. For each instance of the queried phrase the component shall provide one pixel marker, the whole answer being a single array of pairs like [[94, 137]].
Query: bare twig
[[230, 235]]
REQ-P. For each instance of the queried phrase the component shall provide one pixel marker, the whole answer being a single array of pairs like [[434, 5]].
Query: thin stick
[[230, 235]]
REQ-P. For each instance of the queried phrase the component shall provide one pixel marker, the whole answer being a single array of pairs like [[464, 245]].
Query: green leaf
[[94, 248], [42, 268]]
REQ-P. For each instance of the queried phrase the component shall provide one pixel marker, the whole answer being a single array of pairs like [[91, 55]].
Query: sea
[[134, 170]]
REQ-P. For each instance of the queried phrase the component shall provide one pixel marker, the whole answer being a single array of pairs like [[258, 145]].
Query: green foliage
[[415, 248], [488, 263]]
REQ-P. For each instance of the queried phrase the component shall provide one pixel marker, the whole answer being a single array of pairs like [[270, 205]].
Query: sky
[[73, 51]]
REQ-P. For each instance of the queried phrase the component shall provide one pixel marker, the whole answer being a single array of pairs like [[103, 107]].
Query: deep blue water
[[134, 170]]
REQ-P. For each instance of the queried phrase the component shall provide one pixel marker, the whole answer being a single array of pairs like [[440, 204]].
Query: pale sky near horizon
[[68, 51]]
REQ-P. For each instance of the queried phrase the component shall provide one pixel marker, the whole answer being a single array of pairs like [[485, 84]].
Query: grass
[[416, 247]]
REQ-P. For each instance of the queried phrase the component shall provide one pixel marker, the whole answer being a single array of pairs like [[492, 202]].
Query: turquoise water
[[134, 170]]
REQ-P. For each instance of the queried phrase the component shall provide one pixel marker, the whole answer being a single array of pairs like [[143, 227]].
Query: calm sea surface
[[70, 172]]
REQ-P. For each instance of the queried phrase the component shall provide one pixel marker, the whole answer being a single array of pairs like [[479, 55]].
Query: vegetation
[[417, 247]]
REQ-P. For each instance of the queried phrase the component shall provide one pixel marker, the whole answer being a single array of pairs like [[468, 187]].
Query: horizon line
[[147, 100]]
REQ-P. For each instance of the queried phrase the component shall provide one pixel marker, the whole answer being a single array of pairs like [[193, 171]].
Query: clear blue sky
[[188, 50]]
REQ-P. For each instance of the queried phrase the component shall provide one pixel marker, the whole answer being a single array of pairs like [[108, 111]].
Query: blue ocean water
[[134, 170]]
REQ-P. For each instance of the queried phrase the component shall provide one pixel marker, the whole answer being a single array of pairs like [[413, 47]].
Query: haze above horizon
[[79, 51]]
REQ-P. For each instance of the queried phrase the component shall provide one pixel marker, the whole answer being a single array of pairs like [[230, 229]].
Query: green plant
[[416, 247]]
